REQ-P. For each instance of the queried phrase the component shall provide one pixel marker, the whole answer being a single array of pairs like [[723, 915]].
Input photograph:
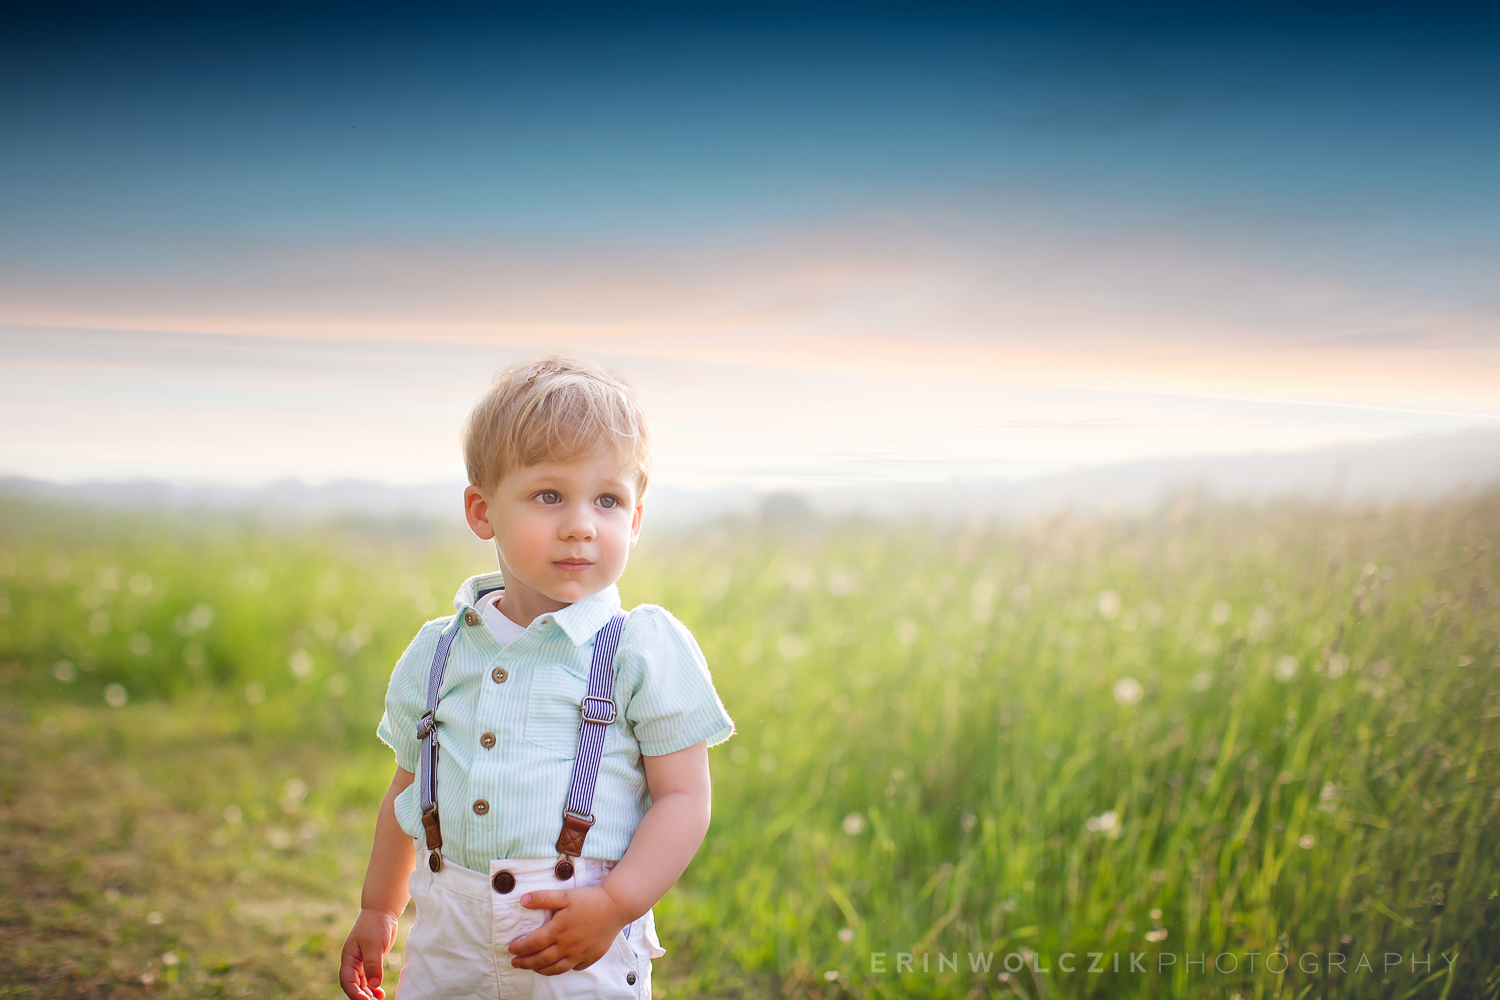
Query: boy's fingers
[[539, 939], [556, 969], [549, 962], [351, 977], [545, 899], [373, 973]]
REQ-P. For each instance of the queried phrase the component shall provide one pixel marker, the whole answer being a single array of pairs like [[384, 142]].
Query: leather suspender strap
[[597, 713], [427, 732]]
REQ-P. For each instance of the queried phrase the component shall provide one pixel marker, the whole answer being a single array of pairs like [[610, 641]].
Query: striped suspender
[[597, 712], [427, 733]]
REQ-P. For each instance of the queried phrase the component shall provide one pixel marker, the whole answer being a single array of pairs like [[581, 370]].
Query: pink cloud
[[1018, 301]]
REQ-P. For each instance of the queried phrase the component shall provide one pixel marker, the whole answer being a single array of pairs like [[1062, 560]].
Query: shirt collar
[[582, 619], [579, 620], [468, 594]]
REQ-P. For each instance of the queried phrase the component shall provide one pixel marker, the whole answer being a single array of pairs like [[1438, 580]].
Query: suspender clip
[[575, 827], [432, 828]]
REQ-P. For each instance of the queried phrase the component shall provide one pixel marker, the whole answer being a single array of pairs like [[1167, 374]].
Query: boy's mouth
[[573, 565]]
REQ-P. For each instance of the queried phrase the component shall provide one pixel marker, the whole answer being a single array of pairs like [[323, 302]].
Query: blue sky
[[881, 231]]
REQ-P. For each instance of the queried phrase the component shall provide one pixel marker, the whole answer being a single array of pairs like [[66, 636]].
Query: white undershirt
[[502, 628]]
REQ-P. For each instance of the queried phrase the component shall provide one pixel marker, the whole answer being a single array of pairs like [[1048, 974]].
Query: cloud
[[1011, 298]]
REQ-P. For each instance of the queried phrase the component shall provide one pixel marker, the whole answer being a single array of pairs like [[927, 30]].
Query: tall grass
[[1212, 731]]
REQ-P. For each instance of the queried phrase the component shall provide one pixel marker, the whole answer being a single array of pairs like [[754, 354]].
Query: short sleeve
[[673, 704], [406, 698]]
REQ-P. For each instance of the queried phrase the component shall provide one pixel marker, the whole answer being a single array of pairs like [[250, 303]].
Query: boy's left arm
[[587, 920]]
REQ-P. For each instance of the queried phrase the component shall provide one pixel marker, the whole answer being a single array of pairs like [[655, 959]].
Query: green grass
[[1271, 729]]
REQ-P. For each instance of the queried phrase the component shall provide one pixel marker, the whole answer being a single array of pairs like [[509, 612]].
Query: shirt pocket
[[552, 712]]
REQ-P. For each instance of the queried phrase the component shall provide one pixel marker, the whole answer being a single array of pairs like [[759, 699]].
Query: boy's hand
[[361, 968], [581, 930]]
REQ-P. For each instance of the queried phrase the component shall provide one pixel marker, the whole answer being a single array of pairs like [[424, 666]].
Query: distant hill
[[1409, 468], [284, 498]]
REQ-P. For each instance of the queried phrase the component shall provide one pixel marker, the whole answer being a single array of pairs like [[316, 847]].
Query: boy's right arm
[[392, 859]]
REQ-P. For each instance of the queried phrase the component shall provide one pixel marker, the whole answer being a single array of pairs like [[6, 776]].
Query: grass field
[[1212, 734]]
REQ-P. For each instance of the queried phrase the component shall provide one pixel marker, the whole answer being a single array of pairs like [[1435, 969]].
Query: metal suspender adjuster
[[426, 724], [596, 715]]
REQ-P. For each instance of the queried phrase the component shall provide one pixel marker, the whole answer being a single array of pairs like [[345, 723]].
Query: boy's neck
[[524, 605]]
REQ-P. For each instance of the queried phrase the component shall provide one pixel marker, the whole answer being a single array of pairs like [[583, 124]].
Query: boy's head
[[554, 410], [557, 459]]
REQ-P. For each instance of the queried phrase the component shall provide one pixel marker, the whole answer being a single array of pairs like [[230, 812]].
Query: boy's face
[[562, 530]]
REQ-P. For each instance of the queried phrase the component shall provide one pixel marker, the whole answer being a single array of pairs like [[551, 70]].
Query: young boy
[[551, 792]]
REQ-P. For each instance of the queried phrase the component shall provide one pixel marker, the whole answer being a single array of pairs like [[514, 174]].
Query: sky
[[827, 243]]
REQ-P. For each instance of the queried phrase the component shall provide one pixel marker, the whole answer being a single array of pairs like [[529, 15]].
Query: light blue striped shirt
[[526, 694]]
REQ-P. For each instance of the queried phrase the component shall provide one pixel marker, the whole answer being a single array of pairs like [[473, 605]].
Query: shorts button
[[487, 740], [481, 807], [470, 618], [630, 978], [498, 675], [503, 882]]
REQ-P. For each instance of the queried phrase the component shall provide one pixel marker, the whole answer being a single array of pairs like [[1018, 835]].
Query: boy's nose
[[579, 526]]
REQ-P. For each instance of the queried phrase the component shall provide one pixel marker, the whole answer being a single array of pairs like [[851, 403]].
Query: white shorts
[[458, 946]]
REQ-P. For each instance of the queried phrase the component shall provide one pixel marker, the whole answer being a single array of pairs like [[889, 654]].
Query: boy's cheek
[[524, 548]]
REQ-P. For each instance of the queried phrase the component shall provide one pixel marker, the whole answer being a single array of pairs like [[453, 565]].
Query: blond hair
[[556, 409]]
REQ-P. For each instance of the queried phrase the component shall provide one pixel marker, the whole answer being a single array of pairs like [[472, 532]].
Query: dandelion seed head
[[301, 664]]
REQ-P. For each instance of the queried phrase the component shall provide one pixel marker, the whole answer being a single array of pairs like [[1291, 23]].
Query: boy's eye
[[607, 502], [548, 496]]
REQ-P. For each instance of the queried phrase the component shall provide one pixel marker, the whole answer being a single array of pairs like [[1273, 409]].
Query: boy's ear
[[477, 510], [635, 524]]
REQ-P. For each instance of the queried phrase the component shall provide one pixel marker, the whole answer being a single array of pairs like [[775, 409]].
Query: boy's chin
[[573, 591]]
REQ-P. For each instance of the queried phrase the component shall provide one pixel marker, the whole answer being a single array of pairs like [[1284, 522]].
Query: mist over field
[[1418, 468]]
